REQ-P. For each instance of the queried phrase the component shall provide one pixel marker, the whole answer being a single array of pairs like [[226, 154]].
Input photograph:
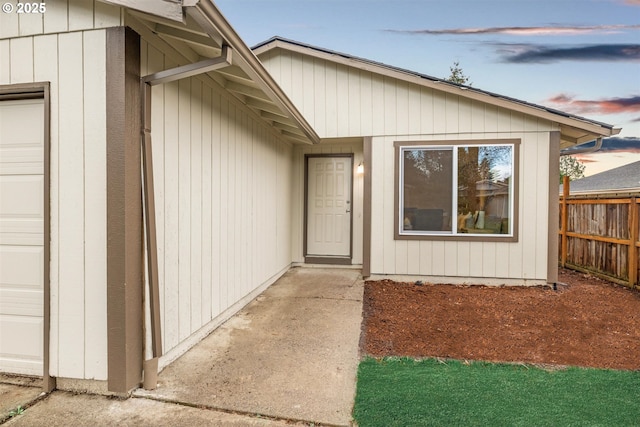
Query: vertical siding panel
[[308, 79], [343, 101], [319, 96], [504, 120], [207, 183], [402, 108], [80, 15], [232, 209], [354, 114], [216, 205], [463, 258], [377, 105], [389, 249], [331, 100], [426, 258], [71, 210], [196, 205], [5, 61], [106, 15], [21, 60], [450, 258], [366, 104], [477, 117], [415, 113], [528, 208], [413, 257], [297, 82], [56, 19], [95, 215], [502, 260], [184, 214], [390, 107], [542, 204], [439, 112], [377, 206], [169, 117], [491, 118], [31, 23], [225, 161], [438, 258], [476, 258], [517, 120], [9, 24], [464, 115], [400, 255], [490, 258], [427, 115], [284, 71], [452, 113], [45, 64]]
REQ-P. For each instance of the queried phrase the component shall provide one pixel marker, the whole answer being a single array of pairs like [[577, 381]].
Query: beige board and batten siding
[[74, 64], [341, 101], [223, 203], [59, 16]]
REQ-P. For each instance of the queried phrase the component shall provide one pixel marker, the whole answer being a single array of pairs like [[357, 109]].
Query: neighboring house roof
[[624, 178], [575, 130], [196, 31]]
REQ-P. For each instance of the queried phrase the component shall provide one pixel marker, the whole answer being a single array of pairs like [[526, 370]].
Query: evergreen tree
[[457, 75]]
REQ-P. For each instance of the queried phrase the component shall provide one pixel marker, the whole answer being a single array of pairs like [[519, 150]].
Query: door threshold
[[327, 260]]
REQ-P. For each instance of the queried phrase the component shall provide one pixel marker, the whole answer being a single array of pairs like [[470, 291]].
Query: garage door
[[21, 236]]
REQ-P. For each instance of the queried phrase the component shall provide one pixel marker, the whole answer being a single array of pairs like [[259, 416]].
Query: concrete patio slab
[[289, 358], [292, 353]]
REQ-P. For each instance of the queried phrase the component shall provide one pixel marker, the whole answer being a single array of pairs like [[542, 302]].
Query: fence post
[[564, 221], [633, 239]]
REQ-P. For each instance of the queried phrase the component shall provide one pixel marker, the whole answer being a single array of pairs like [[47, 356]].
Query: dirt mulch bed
[[589, 322]]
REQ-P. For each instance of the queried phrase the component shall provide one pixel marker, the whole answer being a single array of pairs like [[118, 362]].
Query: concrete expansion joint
[[234, 411], [330, 299]]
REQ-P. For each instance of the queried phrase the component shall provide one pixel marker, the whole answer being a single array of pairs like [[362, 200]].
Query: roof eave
[[213, 22]]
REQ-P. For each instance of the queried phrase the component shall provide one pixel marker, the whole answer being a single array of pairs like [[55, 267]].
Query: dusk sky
[[579, 56]]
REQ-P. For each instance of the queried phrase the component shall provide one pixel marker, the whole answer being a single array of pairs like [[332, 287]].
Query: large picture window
[[464, 189]]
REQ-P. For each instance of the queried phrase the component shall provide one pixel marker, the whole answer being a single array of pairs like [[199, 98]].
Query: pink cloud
[[599, 106]]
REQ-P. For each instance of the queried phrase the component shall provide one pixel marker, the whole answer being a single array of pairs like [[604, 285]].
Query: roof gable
[[575, 130]]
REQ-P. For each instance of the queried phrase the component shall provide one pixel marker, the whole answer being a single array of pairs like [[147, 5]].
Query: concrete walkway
[[288, 358]]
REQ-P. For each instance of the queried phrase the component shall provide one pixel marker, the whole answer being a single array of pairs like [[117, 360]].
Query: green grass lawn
[[405, 392]]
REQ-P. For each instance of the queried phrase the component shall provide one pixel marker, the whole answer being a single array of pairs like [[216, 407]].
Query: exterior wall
[[74, 64], [223, 203], [341, 101], [297, 217], [460, 261], [61, 16]]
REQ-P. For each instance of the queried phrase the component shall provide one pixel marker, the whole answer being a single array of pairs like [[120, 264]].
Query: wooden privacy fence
[[599, 235]]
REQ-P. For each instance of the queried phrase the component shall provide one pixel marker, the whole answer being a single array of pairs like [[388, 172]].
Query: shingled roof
[[624, 178]]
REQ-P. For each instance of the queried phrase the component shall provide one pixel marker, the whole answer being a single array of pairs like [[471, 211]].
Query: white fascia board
[[169, 9]]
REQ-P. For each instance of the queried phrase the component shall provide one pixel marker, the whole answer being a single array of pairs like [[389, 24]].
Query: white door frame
[[314, 259], [41, 90]]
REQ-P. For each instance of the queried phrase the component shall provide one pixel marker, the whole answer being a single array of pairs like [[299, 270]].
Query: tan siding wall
[[522, 260], [223, 199], [341, 101], [74, 64], [60, 16], [297, 219]]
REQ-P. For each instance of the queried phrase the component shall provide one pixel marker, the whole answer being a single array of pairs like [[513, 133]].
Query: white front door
[[21, 236], [329, 206]]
